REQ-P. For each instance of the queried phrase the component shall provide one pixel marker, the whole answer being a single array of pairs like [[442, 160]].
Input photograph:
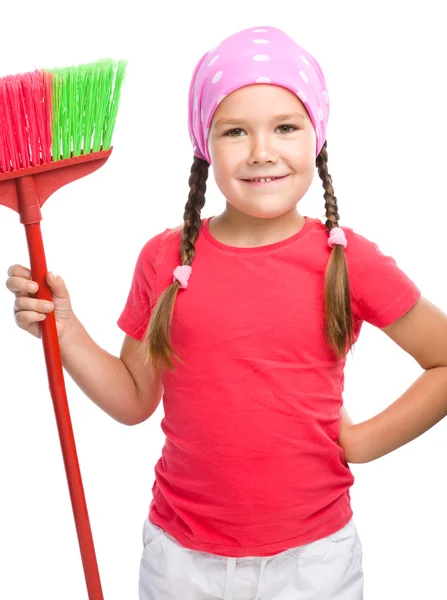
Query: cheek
[[225, 164], [307, 146], [221, 174], [212, 147], [305, 156]]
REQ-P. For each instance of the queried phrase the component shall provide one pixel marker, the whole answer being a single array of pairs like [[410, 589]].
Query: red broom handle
[[53, 361]]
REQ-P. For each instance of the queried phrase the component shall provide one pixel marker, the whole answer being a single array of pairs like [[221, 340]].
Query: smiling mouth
[[264, 180]]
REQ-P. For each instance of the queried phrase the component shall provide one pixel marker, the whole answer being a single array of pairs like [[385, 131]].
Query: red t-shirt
[[251, 465]]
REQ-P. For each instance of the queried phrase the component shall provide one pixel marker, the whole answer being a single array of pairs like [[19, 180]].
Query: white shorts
[[328, 569]]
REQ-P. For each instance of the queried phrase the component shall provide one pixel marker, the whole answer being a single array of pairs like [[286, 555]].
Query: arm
[[121, 387], [344, 437], [422, 332]]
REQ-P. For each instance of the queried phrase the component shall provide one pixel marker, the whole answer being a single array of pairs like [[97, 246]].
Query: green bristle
[[109, 124], [85, 106]]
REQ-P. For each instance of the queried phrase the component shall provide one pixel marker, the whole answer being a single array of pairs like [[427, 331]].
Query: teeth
[[264, 180]]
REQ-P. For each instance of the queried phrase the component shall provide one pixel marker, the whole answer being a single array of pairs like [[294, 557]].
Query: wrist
[[71, 333]]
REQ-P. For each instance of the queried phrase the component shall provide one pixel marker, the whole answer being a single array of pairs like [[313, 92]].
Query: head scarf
[[258, 55]]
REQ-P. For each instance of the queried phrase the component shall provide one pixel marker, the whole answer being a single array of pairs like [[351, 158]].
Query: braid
[[338, 312], [331, 207], [158, 348], [193, 208]]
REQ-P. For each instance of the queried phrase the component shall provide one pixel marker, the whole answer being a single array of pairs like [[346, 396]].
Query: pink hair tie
[[337, 237], [182, 275]]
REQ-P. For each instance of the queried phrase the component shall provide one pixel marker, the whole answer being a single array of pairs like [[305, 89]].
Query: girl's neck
[[244, 230]]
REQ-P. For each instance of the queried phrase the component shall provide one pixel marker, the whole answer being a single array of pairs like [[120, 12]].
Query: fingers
[[29, 311], [20, 285], [26, 318], [58, 287], [29, 321], [19, 280], [19, 271], [31, 304]]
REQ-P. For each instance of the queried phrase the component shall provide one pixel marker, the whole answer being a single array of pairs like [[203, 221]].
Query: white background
[[385, 69]]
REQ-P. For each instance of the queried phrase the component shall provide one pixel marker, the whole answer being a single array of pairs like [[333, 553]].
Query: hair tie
[[182, 275], [337, 237]]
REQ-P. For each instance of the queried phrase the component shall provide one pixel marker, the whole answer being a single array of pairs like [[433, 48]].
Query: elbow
[[131, 422], [354, 459], [351, 457], [126, 421], [137, 419]]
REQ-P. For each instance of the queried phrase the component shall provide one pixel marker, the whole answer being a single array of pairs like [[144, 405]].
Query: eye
[[231, 131], [289, 127], [227, 133]]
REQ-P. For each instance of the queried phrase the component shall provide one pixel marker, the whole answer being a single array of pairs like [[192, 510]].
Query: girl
[[251, 498]]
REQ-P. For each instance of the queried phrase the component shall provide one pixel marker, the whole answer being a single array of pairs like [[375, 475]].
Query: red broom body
[[56, 127]]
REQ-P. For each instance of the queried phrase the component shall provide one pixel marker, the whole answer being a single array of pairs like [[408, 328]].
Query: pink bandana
[[258, 55]]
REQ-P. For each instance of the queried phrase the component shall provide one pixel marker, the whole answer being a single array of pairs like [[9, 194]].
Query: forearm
[[422, 406], [104, 378]]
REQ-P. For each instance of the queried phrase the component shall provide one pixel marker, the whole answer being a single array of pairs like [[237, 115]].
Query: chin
[[264, 212]]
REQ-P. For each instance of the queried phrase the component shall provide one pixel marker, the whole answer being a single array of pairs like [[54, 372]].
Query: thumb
[[57, 286]]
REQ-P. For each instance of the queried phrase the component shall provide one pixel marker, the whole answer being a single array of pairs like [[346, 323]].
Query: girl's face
[[250, 137]]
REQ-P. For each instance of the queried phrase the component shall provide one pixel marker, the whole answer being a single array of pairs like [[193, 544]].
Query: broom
[[56, 126]]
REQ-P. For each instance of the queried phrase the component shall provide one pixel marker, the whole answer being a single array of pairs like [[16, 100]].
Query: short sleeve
[[140, 302], [381, 292]]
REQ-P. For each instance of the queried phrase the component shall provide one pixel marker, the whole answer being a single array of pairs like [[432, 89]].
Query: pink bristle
[[13, 133], [46, 113], [29, 89], [2, 129], [17, 121], [36, 88], [20, 116], [25, 120], [26, 92], [10, 151]]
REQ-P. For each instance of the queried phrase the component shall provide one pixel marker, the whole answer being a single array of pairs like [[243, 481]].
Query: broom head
[[56, 126]]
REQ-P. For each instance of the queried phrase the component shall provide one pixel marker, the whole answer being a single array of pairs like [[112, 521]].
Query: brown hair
[[337, 314]]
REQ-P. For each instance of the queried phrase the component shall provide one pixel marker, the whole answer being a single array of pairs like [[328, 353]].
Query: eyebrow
[[284, 117]]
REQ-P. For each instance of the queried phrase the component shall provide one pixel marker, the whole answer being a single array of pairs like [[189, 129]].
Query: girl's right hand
[[29, 311]]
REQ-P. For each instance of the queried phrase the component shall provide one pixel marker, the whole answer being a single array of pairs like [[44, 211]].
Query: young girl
[[242, 322]]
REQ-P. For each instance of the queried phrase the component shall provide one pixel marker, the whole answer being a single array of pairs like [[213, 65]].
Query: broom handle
[[59, 396]]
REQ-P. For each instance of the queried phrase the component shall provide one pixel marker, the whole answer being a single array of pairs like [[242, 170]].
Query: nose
[[262, 150]]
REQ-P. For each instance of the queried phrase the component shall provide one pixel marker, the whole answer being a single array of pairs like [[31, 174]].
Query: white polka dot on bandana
[[217, 76], [304, 77], [259, 30], [260, 42], [213, 60], [304, 59], [263, 80], [261, 57]]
